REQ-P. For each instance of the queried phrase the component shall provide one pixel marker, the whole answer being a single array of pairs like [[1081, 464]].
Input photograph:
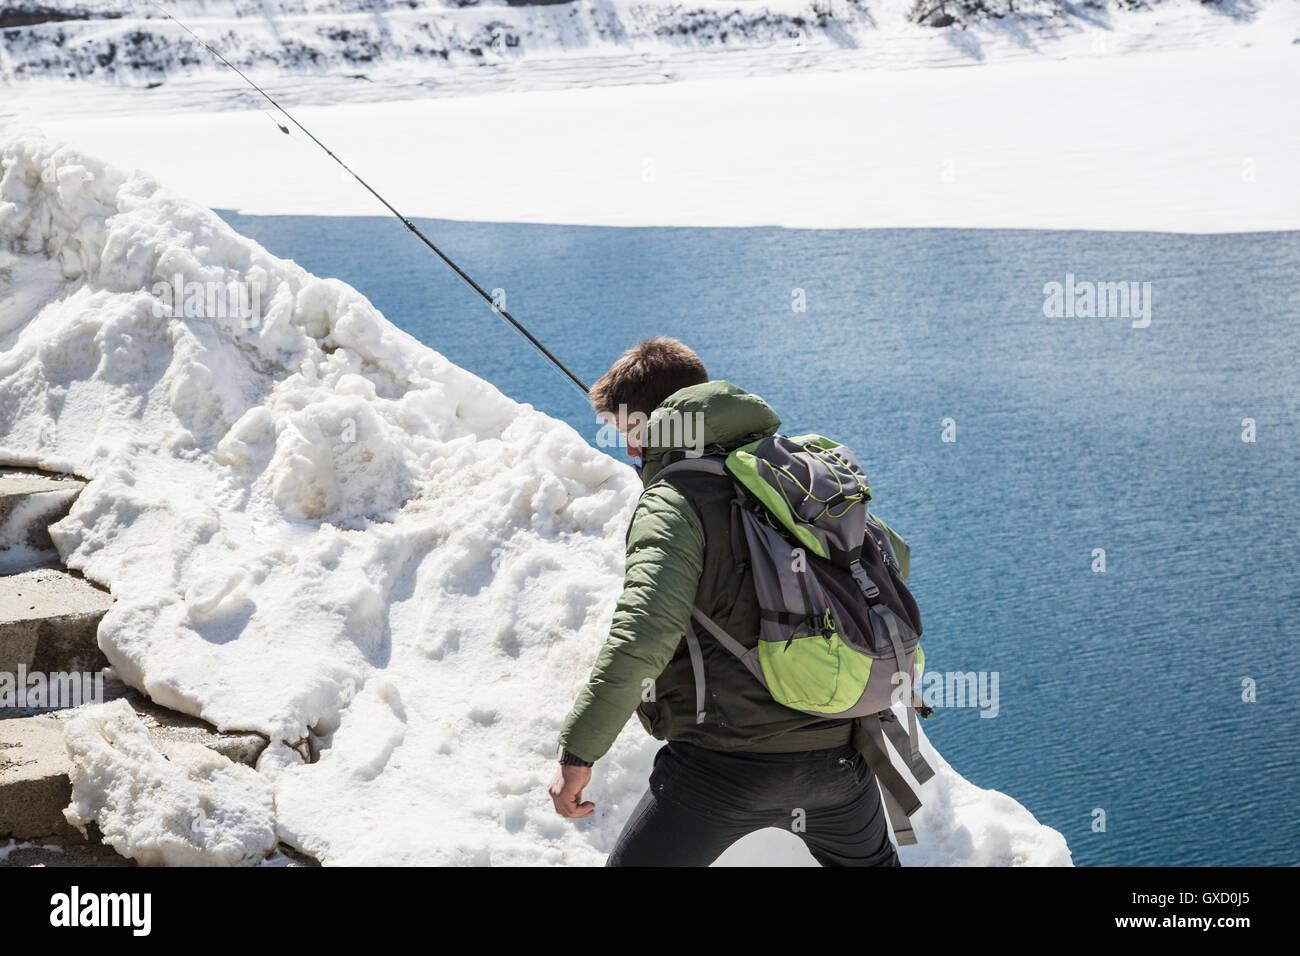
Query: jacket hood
[[711, 414]]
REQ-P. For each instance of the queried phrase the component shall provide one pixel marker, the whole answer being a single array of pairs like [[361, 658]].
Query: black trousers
[[701, 801]]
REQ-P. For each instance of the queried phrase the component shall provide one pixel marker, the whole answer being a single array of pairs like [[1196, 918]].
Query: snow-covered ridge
[[131, 42], [317, 528]]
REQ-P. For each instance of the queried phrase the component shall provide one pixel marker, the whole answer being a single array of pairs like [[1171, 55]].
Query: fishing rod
[[498, 309]]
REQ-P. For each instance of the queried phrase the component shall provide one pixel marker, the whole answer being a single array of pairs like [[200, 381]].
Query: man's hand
[[566, 792]]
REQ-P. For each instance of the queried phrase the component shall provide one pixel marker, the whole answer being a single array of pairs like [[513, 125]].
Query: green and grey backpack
[[838, 625]]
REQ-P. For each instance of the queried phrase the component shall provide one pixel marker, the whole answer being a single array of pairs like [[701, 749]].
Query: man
[[745, 762]]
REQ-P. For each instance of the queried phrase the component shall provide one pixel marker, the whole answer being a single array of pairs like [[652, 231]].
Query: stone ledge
[[49, 621], [31, 501], [34, 767]]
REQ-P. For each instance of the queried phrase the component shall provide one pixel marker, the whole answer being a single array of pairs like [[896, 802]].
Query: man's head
[[642, 378]]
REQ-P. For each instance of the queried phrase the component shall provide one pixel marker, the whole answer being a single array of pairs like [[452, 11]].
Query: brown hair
[[647, 374]]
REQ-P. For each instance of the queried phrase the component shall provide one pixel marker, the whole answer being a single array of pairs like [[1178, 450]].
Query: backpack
[[837, 623]]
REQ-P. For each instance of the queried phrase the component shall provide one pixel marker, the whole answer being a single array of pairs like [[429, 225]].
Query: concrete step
[[34, 781], [31, 501], [87, 853], [49, 622], [18, 853], [34, 768]]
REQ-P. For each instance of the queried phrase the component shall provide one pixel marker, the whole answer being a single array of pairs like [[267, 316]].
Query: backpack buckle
[[869, 589]]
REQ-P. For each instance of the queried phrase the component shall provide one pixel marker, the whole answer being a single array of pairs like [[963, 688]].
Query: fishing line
[[498, 309]]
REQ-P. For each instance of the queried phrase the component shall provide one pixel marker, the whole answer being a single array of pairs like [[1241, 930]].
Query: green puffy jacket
[[680, 554]]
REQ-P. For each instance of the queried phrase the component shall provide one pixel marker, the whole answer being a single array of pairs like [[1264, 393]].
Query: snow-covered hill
[[132, 42], [317, 528]]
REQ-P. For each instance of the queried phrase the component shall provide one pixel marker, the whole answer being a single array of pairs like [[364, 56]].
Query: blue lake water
[[1120, 691]]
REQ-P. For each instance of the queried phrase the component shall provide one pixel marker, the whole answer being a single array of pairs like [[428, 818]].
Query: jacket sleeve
[[665, 558]]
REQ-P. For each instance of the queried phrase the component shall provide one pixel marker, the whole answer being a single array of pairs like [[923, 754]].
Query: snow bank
[[317, 528], [188, 807]]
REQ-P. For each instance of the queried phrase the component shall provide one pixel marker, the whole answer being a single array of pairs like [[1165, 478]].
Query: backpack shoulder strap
[[708, 464], [713, 464]]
